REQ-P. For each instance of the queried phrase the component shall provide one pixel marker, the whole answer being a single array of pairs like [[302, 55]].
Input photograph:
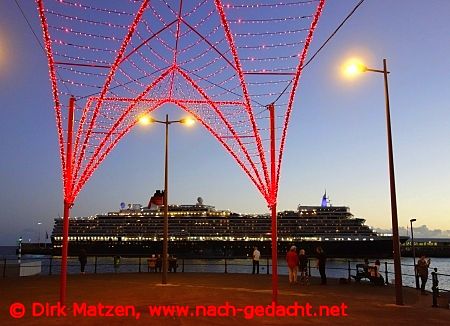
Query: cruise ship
[[200, 230]]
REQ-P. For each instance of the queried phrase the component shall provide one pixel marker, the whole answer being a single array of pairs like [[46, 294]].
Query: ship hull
[[379, 248]]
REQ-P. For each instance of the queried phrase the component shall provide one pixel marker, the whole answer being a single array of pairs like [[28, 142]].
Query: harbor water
[[335, 268]]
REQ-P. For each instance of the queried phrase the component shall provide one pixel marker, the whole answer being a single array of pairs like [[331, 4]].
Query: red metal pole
[[273, 205], [67, 203]]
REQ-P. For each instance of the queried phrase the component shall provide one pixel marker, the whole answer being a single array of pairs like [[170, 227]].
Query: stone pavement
[[234, 295]]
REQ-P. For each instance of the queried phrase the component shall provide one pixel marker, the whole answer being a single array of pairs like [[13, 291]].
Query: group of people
[[155, 263], [421, 269], [372, 272], [298, 262]]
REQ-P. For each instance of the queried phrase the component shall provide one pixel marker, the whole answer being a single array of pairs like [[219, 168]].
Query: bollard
[[4, 268], [50, 266], [386, 273], [182, 266], [95, 266], [435, 287], [349, 271], [140, 264], [226, 267], [267, 265]]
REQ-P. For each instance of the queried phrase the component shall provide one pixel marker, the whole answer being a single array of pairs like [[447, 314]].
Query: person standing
[[159, 263], [303, 264], [422, 270], [375, 276], [321, 260], [292, 262], [82, 257], [116, 263], [256, 256]]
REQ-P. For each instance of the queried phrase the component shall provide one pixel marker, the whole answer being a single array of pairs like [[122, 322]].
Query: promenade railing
[[335, 268]]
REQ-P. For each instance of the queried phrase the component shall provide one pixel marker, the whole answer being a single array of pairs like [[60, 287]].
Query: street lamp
[[39, 237], [352, 68], [145, 120], [19, 251], [414, 253]]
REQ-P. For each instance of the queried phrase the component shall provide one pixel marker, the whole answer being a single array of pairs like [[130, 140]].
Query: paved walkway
[[363, 303]]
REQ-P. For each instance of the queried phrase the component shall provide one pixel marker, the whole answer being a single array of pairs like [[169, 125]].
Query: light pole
[[147, 120], [19, 251], [414, 253], [351, 69], [39, 236]]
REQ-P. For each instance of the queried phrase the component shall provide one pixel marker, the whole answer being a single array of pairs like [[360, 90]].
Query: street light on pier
[[414, 253], [146, 120], [39, 236], [352, 68]]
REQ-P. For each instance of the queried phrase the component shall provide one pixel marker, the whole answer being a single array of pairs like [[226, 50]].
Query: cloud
[[419, 232]]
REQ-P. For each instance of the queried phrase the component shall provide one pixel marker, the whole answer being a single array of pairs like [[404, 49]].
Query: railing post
[[309, 267], [386, 272], [50, 266], [435, 287], [182, 265], [349, 271], [226, 267], [4, 268], [267, 263], [95, 266]]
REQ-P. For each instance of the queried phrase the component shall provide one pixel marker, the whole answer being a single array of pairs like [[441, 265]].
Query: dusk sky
[[336, 138]]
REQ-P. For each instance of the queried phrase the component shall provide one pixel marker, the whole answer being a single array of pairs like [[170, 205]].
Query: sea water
[[335, 268]]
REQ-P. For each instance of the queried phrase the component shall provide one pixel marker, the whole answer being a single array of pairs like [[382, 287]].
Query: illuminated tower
[[325, 200]]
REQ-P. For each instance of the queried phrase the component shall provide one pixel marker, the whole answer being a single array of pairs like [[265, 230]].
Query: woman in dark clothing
[[422, 271], [303, 264], [82, 257], [321, 260], [159, 264]]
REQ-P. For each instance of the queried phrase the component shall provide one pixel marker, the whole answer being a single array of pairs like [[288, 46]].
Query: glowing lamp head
[[145, 120], [354, 67], [188, 121]]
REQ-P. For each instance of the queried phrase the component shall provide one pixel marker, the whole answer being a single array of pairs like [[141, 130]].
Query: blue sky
[[336, 139]]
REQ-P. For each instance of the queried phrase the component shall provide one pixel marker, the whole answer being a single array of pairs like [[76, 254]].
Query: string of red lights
[[224, 64], [232, 54]]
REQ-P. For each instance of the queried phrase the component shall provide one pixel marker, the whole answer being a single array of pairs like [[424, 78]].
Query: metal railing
[[345, 268]]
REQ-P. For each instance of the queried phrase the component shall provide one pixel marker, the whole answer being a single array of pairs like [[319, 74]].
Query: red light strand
[[244, 87], [294, 88], [222, 63], [52, 71], [113, 71]]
